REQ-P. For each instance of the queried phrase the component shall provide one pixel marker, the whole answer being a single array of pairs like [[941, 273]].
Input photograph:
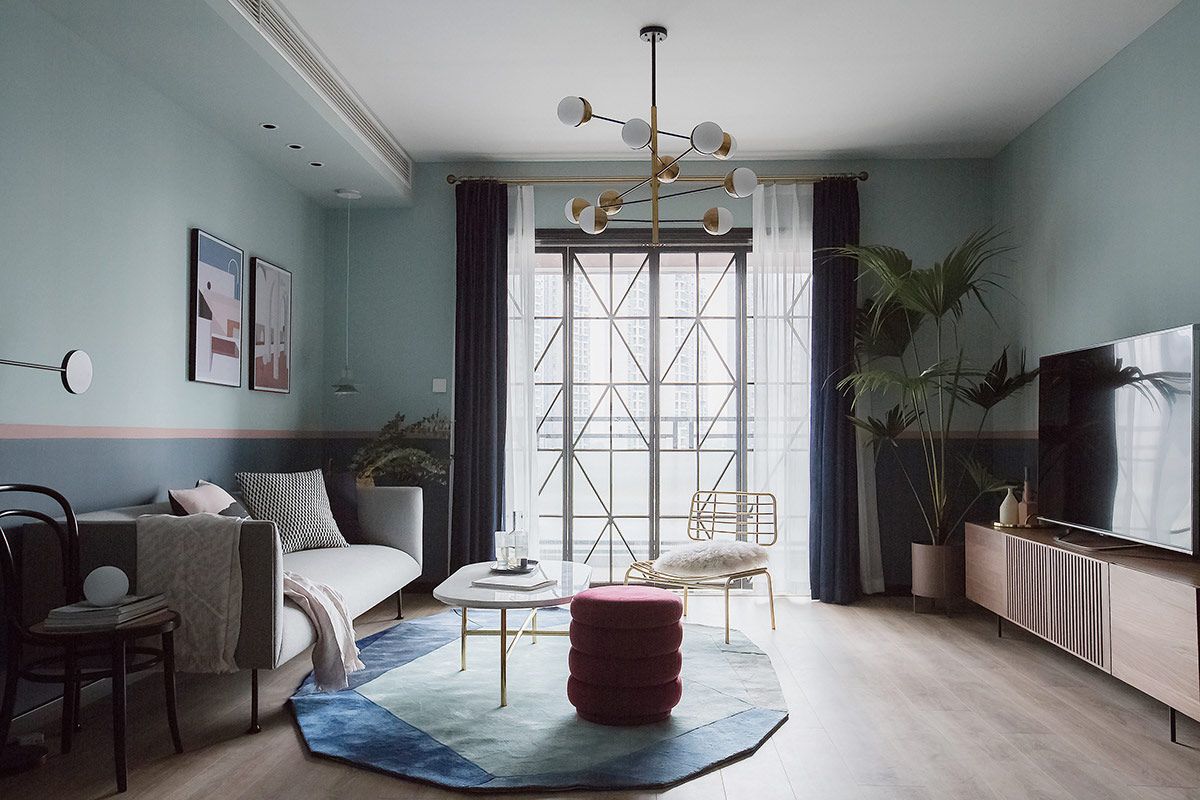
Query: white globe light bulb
[[593, 220], [718, 221], [574, 111], [635, 133], [707, 137], [573, 207], [741, 182], [727, 149]]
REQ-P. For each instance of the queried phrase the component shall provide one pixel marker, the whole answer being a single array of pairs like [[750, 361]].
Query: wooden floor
[[884, 704]]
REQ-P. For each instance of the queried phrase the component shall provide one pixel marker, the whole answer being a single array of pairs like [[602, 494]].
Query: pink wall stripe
[[113, 432]]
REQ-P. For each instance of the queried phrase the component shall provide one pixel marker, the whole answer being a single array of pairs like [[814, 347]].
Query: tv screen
[[1116, 439]]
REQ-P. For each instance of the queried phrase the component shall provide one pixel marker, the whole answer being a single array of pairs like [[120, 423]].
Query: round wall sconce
[[76, 370]]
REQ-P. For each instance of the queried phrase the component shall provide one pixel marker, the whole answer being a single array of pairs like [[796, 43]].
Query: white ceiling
[[480, 79]]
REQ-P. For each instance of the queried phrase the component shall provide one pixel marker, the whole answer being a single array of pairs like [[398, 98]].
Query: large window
[[642, 393]]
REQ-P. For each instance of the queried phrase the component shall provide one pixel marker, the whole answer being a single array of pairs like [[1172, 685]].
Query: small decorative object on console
[[1010, 511]]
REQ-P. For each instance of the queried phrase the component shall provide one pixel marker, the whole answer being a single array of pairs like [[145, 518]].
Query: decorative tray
[[529, 567]]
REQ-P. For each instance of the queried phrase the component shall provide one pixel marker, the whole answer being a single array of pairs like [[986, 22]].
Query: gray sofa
[[383, 559]]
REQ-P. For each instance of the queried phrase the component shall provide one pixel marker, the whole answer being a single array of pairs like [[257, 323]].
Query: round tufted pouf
[[625, 657]]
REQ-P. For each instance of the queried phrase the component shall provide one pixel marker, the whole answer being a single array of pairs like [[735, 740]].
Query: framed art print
[[216, 311], [270, 327]]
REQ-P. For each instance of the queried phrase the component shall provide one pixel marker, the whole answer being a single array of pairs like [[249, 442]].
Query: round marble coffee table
[[572, 578]]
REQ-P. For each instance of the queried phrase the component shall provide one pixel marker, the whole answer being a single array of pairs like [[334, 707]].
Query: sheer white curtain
[[779, 275], [520, 440]]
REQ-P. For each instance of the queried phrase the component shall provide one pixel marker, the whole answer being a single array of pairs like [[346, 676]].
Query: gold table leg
[[463, 658], [503, 657], [533, 622]]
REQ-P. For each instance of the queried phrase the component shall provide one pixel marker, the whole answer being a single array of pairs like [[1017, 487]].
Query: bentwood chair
[[118, 649], [746, 517]]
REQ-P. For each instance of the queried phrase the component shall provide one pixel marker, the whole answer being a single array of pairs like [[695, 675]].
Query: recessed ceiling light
[[270, 126], [296, 146], [315, 164]]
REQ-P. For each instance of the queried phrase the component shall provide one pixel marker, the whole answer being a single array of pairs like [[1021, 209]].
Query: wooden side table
[[125, 655]]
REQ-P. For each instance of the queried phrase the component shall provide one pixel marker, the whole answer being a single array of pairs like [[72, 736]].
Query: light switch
[[439, 385]]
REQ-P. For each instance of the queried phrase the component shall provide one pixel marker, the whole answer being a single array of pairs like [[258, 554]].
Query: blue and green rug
[[412, 713]]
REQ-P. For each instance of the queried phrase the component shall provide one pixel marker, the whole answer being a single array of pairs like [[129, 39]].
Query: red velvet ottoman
[[624, 657]]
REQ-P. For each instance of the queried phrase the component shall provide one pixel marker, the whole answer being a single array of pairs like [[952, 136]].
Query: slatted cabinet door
[[1077, 607]]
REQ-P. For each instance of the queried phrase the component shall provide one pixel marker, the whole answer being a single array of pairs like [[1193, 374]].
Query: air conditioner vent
[[277, 29]]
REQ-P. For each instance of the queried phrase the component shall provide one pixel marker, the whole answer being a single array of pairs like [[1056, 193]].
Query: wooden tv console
[[1132, 613]]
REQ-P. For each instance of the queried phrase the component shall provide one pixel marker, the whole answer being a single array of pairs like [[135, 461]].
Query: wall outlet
[[439, 385]]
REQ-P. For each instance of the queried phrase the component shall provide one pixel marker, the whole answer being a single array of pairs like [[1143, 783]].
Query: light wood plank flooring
[[884, 704]]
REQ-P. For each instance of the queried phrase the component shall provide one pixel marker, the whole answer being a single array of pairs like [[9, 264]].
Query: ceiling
[[207, 58], [481, 79]]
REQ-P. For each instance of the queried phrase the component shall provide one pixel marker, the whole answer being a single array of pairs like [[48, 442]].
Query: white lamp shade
[[718, 221], [741, 182], [727, 149], [610, 201], [593, 220], [574, 111], [707, 137], [77, 372], [635, 133], [573, 207], [104, 586]]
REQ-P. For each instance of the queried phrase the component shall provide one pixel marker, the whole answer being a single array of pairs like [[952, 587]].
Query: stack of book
[[521, 583], [84, 616]]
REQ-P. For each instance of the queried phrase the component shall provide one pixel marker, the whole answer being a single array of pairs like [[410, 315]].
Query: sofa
[[384, 556]]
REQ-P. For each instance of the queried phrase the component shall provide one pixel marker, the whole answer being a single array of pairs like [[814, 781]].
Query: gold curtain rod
[[453, 179]]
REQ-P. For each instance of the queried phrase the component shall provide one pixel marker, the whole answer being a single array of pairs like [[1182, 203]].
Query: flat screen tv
[[1117, 439]]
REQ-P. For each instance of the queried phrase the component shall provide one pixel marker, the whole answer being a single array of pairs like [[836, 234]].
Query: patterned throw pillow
[[298, 505], [205, 498]]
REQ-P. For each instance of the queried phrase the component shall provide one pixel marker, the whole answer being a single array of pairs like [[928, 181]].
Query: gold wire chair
[[748, 516]]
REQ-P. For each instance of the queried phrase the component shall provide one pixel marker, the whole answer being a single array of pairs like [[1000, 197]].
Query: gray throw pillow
[[298, 505]]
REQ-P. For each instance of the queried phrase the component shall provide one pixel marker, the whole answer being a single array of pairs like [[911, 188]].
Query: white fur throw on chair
[[712, 559]]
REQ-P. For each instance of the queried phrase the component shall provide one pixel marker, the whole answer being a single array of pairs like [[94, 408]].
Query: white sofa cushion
[[711, 559], [365, 574]]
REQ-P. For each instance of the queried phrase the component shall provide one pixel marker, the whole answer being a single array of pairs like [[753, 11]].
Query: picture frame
[[216, 310], [270, 327]]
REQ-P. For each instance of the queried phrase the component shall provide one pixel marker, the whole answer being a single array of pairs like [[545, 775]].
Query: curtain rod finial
[[864, 175], [450, 179]]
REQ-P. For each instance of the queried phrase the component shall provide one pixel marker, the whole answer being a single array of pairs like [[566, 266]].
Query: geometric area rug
[[412, 713]]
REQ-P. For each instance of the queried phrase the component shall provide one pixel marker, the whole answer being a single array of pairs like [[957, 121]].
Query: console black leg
[[999, 627], [399, 605], [254, 728], [1174, 740]]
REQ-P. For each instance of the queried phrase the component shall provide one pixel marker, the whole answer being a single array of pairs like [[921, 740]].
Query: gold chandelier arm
[[665, 196], [666, 166]]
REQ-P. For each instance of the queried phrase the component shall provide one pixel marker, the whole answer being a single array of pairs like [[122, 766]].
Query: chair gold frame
[[748, 516]]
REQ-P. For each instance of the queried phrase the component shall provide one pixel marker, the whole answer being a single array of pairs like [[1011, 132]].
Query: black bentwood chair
[[79, 649]]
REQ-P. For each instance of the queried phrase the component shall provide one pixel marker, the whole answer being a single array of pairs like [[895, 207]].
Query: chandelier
[[707, 138]]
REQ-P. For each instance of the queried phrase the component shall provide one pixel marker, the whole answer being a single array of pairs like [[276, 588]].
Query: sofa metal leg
[[254, 727], [1174, 738], [399, 605]]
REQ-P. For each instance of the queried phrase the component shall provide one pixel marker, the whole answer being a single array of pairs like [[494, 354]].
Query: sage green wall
[[1103, 196], [101, 178], [402, 281]]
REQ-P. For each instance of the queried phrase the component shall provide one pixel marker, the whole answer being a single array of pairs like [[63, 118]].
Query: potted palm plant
[[908, 349]]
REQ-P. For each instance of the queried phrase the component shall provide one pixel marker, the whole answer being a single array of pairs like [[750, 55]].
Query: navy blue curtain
[[833, 512], [480, 369]]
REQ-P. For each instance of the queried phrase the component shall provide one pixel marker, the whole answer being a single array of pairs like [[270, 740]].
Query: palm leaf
[[943, 288], [997, 385], [886, 430], [884, 330], [984, 480]]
